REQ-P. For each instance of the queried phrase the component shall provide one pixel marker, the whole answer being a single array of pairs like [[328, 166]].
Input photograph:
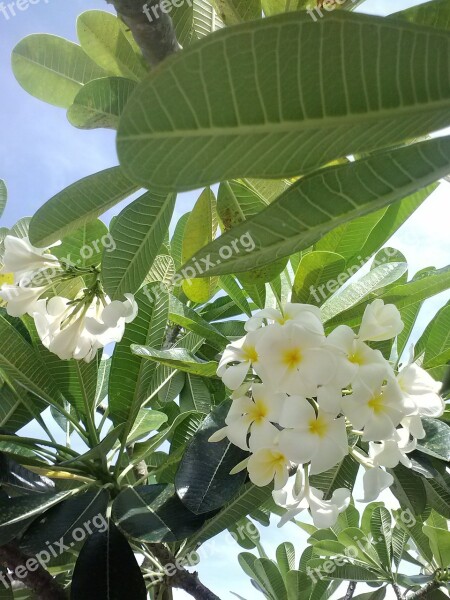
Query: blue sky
[[42, 153]]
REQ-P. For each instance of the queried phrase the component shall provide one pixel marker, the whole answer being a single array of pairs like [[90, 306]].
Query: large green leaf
[[109, 556], [436, 340], [409, 489], [326, 93], [203, 480], [381, 528], [437, 439], [249, 498], [78, 204], [20, 361], [317, 277], [154, 513], [328, 198], [440, 544], [131, 377], [433, 14], [58, 523], [100, 103], [195, 395], [177, 358], [52, 68], [138, 233], [103, 37], [14, 510]]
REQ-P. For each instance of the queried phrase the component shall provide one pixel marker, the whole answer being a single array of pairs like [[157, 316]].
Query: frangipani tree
[[263, 353]]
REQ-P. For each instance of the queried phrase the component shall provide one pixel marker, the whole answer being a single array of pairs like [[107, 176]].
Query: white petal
[[234, 376], [375, 481]]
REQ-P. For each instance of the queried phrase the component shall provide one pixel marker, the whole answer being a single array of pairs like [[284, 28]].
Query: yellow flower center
[[278, 460], [292, 358], [356, 358], [259, 412], [250, 353], [377, 403], [318, 427]]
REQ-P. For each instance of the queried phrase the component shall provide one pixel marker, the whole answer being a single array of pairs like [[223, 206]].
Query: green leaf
[[202, 130], [3, 196], [205, 19], [400, 539], [195, 395], [378, 278], [14, 510], [84, 246], [52, 68], [230, 286], [146, 421], [117, 572], [20, 361], [437, 440], [437, 340], [413, 527], [203, 481], [381, 528], [433, 14], [78, 204], [345, 573], [409, 489], [16, 479], [103, 37], [296, 584], [270, 578], [138, 233], [328, 198], [200, 230], [286, 558], [317, 277], [177, 358], [233, 12], [100, 103], [440, 544], [130, 382], [58, 523], [171, 390], [189, 319], [154, 513], [343, 475]]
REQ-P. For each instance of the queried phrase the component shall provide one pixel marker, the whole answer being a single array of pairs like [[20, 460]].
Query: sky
[[41, 153]]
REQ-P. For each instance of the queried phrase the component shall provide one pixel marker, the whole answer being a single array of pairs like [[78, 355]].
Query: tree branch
[[350, 591], [397, 591], [38, 580], [181, 578], [423, 593], [152, 28]]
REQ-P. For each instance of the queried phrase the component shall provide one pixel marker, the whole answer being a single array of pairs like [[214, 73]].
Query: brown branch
[[397, 591], [351, 590], [423, 593], [152, 28], [177, 576], [38, 579]]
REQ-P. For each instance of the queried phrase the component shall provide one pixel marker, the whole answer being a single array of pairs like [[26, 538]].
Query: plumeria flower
[[380, 322], [304, 314], [294, 359], [375, 481], [267, 465], [421, 389], [352, 355], [20, 300], [390, 453], [375, 407], [298, 495], [321, 438], [254, 415], [22, 259], [62, 327], [244, 353], [112, 314]]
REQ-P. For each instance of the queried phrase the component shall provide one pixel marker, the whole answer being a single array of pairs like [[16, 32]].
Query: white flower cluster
[[68, 328], [298, 395]]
